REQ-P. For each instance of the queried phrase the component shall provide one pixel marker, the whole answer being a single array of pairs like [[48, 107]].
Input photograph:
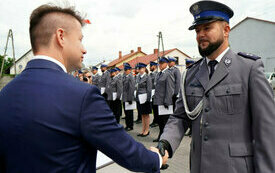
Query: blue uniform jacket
[[50, 122]]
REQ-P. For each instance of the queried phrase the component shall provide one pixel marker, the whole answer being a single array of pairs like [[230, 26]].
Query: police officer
[[114, 92], [163, 94], [104, 79], [176, 74], [228, 101], [143, 97], [95, 76], [119, 76], [128, 95], [136, 74], [153, 74]]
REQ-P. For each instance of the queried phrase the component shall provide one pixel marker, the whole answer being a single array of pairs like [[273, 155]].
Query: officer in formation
[[104, 79], [226, 99], [114, 92], [176, 74], [95, 76], [119, 76], [128, 96], [153, 74], [136, 74], [143, 97], [164, 91]]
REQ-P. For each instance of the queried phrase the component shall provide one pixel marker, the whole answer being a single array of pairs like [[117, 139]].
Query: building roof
[[152, 57], [247, 18], [125, 57]]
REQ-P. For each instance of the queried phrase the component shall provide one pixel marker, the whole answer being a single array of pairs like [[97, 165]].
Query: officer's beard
[[210, 48]]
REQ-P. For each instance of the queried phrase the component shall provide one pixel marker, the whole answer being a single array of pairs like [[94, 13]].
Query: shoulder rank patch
[[249, 56], [195, 63]]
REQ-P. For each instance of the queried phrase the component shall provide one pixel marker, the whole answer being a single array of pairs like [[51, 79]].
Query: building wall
[[256, 37], [181, 59], [21, 64]]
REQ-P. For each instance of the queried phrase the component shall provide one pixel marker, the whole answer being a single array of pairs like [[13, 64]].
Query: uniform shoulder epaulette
[[249, 56], [197, 62]]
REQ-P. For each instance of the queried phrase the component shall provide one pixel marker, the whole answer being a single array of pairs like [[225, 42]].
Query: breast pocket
[[193, 96], [228, 98]]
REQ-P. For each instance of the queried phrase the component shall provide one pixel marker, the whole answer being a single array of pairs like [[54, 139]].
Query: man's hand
[[164, 157], [166, 106], [130, 102]]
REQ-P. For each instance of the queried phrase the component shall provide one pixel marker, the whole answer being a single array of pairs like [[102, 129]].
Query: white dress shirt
[[50, 59], [219, 58]]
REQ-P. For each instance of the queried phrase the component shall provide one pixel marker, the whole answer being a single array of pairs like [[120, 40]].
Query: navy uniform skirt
[[144, 108]]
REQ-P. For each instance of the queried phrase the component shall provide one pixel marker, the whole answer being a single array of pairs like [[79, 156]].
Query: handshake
[[164, 149]]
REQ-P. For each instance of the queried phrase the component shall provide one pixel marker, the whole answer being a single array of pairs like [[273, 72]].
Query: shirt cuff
[[160, 161]]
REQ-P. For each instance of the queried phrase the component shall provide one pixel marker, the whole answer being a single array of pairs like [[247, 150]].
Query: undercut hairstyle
[[44, 21]]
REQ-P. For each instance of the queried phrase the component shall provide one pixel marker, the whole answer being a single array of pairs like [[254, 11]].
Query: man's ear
[[60, 37], [226, 29]]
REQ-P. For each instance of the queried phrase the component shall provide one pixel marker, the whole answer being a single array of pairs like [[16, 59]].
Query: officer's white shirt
[[219, 58], [50, 59]]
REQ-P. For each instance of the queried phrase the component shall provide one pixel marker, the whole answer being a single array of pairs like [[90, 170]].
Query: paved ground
[[178, 164]]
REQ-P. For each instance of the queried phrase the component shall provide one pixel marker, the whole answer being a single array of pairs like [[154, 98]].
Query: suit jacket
[[104, 79], [143, 85], [114, 85], [235, 132], [128, 88], [95, 79], [176, 74], [164, 88], [51, 122], [153, 76]]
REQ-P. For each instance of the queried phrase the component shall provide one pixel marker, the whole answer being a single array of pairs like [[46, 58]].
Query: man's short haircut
[[41, 29]]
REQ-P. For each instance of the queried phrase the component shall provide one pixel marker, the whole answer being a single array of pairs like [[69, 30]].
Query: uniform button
[[206, 109], [206, 124], [227, 91], [205, 138]]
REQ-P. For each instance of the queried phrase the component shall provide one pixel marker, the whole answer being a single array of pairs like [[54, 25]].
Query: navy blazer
[[50, 122]]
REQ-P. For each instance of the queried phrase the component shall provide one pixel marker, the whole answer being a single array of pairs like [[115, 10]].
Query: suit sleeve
[[263, 118], [99, 128], [169, 90], [131, 88], [149, 88], [119, 88], [176, 126], [177, 81]]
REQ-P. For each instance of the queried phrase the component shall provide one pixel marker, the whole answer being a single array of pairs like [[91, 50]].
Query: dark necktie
[[212, 65]]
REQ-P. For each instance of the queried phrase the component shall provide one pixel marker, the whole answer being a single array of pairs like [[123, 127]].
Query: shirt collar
[[50, 59], [141, 76], [164, 70], [219, 58]]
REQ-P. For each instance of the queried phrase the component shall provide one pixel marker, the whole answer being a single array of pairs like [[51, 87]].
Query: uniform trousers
[[129, 117], [115, 105]]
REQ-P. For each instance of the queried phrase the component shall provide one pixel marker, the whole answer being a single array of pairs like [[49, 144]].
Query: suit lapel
[[221, 72], [203, 74]]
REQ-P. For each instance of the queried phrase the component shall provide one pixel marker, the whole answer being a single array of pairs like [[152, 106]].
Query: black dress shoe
[[145, 135], [156, 140], [128, 129], [153, 125], [140, 134], [138, 121]]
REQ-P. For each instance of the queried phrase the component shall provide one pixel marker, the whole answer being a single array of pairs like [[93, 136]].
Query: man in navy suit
[[49, 121]]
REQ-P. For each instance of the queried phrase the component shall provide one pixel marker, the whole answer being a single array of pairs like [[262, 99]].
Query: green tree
[[8, 63]]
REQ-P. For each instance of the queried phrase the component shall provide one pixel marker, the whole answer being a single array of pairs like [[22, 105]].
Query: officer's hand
[[164, 157], [166, 106], [130, 102]]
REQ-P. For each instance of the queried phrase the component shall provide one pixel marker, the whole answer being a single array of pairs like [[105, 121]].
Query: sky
[[124, 25]]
